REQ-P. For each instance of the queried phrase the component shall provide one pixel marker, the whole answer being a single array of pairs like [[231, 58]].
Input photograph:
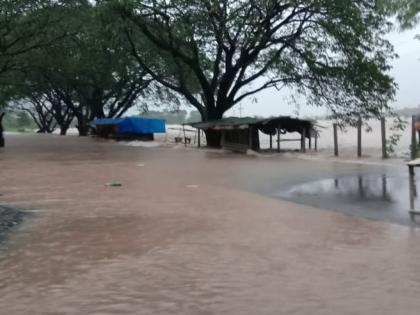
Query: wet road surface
[[190, 233]]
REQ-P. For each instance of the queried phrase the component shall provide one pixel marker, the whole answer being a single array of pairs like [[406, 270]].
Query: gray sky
[[406, 71]]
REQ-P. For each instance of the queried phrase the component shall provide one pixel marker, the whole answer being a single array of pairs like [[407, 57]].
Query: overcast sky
[[406, 71]]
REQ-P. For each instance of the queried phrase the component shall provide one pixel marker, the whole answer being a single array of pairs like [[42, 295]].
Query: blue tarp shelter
[[132, 125]]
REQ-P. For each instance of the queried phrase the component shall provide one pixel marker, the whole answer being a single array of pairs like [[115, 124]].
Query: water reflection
[[382, 197]]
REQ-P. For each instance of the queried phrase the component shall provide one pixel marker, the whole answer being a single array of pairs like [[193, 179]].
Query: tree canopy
[[332, 51], [89, 59]]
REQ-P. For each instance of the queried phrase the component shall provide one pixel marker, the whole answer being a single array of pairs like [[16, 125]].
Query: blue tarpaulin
[[133, 125]]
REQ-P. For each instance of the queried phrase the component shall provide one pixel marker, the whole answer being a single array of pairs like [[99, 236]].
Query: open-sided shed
[[129, 127], [240, 134]]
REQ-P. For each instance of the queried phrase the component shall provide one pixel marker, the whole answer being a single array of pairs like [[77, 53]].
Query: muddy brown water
[[189, 232]]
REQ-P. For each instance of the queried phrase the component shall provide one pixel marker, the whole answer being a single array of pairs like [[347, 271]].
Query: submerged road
[[193, 232]]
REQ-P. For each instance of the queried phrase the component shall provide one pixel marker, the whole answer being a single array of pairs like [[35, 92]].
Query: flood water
[[191, 232], [376, 196]]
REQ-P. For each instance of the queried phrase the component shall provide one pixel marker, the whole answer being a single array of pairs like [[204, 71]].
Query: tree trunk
[[213, 137], [63, 130], [1, 130], [82, 127]]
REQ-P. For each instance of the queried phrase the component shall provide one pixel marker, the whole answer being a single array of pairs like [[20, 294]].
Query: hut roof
[[266, 125]]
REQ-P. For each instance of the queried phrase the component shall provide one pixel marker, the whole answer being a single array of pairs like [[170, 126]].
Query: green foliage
[[18, 121], [398, 126], [407, 12]]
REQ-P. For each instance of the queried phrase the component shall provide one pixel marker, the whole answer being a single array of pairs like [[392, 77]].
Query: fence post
[[413, 138], [359, 137], [383, 133], [335, 140]]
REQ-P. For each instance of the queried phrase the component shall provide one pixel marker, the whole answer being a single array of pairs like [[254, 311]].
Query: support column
[[303, 140], [250, 137], [271, 141]]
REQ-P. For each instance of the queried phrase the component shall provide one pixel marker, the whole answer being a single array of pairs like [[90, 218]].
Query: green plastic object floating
[[113, 184]]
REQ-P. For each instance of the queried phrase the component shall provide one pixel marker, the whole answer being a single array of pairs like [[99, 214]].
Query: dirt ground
[[189, 232]]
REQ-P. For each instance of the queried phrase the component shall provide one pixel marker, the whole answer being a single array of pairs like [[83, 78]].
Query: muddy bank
[[9, 218]]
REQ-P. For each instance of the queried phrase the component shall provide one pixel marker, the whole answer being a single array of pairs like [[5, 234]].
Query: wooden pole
[[359, 138], [310, 140], [383, 133], [250, 136], [316, 141], [185, 136], [199, 137], [223, 138], [303, 140], [335, 140], [278, 139], [271, 141], [413, 138]]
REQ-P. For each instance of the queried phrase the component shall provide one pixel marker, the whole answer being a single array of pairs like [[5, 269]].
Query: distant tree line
[[71, 61]]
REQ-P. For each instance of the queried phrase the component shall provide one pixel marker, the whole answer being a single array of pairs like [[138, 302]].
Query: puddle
[[380, 197]]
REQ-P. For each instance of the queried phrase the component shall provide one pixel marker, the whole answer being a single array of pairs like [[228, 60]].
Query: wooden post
[[310, 139], [335, 140], [185, 136], [411, 178], [250, 136], [223, 138], [359, 138], [413, 138], [199, 137], [383, 133], [278, 139], [1, 130], [303, 140], [316, 140], [271, 141]]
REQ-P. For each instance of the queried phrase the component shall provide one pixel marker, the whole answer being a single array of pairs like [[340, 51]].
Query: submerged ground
[[196, 232]]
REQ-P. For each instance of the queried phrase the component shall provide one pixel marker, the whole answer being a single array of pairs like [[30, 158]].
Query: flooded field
[[195, 232]]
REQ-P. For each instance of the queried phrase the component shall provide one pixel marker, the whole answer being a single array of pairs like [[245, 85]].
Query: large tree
[[85, 74], [216, 53]]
